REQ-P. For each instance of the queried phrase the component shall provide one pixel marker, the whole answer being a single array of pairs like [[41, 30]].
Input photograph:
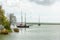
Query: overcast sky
[[48, 10]]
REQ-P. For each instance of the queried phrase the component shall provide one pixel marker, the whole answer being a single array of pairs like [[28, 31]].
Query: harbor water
[[35, 32]]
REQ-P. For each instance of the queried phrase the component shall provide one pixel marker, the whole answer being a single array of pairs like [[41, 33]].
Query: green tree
[[1, 15], [3, 19]]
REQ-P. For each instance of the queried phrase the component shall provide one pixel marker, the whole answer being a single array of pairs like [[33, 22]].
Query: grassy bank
[[9, 30]]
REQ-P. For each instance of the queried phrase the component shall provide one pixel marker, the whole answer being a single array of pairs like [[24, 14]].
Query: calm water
[[43, 32]]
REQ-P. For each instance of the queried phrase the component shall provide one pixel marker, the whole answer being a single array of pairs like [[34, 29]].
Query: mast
[[21, 18], [25, 19], [39, 21]]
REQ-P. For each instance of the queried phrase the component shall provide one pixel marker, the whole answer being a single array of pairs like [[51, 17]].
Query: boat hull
[[23, 26]]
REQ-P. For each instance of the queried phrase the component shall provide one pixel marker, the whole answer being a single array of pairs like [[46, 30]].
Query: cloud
[[43, 2]]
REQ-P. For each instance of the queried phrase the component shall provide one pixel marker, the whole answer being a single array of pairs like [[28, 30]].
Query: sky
[[48, 10]]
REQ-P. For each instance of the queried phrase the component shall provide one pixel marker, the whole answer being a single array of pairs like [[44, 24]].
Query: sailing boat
[[23, 25], [39, 21]]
